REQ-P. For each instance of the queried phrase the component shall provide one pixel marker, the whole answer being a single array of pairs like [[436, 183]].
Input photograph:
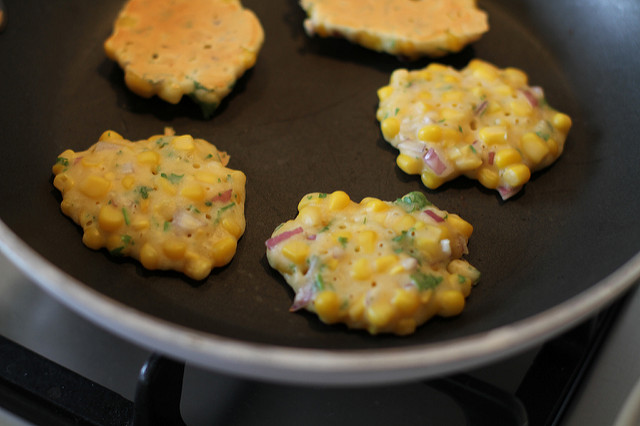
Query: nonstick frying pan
[[303, 120]]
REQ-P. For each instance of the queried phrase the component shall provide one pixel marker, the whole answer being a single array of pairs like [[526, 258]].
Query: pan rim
[[313, 366]]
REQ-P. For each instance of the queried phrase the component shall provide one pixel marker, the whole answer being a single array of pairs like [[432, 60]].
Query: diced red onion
[[186, 221], [311, 237], [491, 157], [272, 242], [223, 197], [433, 161], [127, 168], [434, 216], [77, 160], [508, 192], [481, 108], [530, 97]]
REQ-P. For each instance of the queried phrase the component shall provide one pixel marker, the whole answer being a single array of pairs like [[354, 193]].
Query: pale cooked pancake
[[173, 48], [407, 28]]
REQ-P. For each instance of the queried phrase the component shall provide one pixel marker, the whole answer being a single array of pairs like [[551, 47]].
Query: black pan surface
[[303, 120]]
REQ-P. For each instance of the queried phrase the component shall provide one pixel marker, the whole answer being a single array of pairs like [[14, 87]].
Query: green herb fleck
[[318, 282], [425, 281], [462, 279], [173, 178], [473, 149], [322, 195], [413, 201], [227, 207], [208, 156], [63, 161], [343, 241], [167, 226], [144, 191], [126, 215], [208, 203]]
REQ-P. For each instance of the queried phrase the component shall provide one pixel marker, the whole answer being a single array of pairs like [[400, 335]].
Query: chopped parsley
[[167, 226], [413, 201], [144, 191], [425, 281], [126, 215], [322, 195], [318, 282], [343, 241], [63, 161], [173, 178]]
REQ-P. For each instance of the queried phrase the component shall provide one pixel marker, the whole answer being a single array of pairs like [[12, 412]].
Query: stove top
[[58, 368]]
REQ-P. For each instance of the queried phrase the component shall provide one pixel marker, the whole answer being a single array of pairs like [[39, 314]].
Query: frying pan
[[303, 120]]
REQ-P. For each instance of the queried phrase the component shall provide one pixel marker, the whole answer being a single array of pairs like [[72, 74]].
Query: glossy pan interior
[[303, 120]]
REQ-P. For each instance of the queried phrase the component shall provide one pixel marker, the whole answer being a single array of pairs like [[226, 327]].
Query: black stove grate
[[45, 393]]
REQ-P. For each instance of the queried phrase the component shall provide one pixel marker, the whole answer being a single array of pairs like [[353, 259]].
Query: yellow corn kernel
[[356, 310], [493, 135], [431, 180], [488, 178], [89, 162], [515, 77], [384, 263], [379, 314], [63, 182], [423, 75], [65, 157], [368, 40], [533, 147], [310, 215], [327, 306], [483, 70], [332, 263], [451, 302], [341, 237], [296, 251], [506, 156], [468, 161], [429, 245], [405, 301], [128, 181], [430, 132], [562, 122], [338, 200], [404, 223], [461, 225], [149, 256], [493, 108], [553, 147], [453, 96], [92, 238], [384, 92], [521, 108], [504, 90], [435, 67], [94, 186], [409, 165], [197, 267], [139, 85], [174, 248], [367, 240], [148, 157], [110, 218], [206, 177], [464, 268], [390, 127], [223, 250], [516, 175], [183, 143], [232, 226], [110, 135], [397, 269], [450, 114], [361, 269], [375, 205], [452, 135], [193, 191], [67, 207], [140, 224], [478, 92], [451, 79], [167, 186], [405, 326]]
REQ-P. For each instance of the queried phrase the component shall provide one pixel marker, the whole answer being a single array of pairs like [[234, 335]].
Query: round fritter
[[482, 122], [386, 267], [168, 201], [407, 28], [197, 48]]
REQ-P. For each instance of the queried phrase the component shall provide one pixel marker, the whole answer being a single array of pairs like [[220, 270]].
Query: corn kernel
[[431, 180], [451, 302], [367, 240], [384, 92], [533, 147], [332, 263], [515, 77], [139, 85], [94, 186], [409, 165], [193, 191], [296, 251], [148, 157], [521, 108], [435, 67], [504, 90], [493, 135], [451, 79], [149, 256], [110, 218], [92, 238], [174, 248], [553, 146], [338, 200], [375, 205], [488, 178], [405, 301], [327, 306], [483, 70], [405, 326], [356, 310], [110, 135], [379, 314], [167, 186], [461, 225], [452, 115], [63, 182], [516, 175], [462, 267], [384, 263], [183, 143], [361, 269], [429, 245], [505, 157], [430, 132], [310, 215], [452, 135], [562, 122], [468, 161], [453, 96], [403, 223], [128, 181], [310, 199], [232, 226], [223, 250], [197, 267], [140, 224], [206, 177], [390, 127]]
